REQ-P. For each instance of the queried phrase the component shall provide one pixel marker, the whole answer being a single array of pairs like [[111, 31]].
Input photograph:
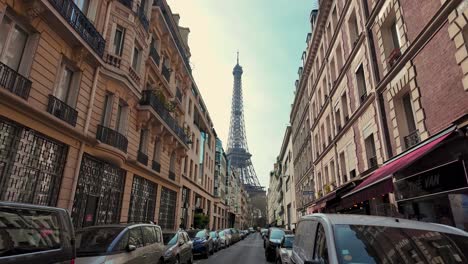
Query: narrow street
[[247, 251]]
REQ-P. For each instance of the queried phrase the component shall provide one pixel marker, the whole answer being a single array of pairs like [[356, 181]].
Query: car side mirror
[[130, 248]]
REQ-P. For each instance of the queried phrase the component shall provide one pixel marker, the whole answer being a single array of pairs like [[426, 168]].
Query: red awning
[[381, 179]]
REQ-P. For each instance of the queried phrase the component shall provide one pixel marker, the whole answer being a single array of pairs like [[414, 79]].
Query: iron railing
[[149, 98], [166, 73], [113, 60], [156, 166], [61, 110], [167, 16], [76, 19], [167, 209], [142, 200], [142, 16], [14, 82], [172, 175], [111, 137], [412, 139], [142, 158], [127, 3], [155, 55]]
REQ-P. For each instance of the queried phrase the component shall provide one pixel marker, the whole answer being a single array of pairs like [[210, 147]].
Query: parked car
[[251, 230], [264, 233], [223, 239], [283, 252], [235, 236], [214, 235], [228, 235], [241, 234], [123, 243], [275, 235], [202, 242], [178, 247], [329, 238], [35, 234]]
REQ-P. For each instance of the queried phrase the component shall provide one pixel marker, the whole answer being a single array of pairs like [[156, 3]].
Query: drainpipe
[[379, 96], [88, 117]]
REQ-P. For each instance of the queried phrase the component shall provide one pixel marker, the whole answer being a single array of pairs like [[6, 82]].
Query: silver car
[[132, 243], [341, 238]]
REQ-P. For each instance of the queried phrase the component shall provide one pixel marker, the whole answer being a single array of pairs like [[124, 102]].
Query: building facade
[[287, 173], [100, 113], [379, 77], [275, 197]]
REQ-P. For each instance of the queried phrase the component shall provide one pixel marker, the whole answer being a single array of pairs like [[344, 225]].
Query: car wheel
[[190, 261], [177, 260], [278, 261], [207, 253]]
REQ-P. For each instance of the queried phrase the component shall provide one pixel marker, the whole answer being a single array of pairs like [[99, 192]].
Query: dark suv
[[275, 235], [35, 234]]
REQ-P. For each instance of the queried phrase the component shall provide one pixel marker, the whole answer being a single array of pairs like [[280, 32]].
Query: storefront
[[435, 188]]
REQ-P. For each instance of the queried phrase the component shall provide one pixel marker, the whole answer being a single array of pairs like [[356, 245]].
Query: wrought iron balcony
[[14, 82], [412, 139], [166, 73], [142, 16], [149, 98], [172, 175], [155, 55], [76, 19], [156, 166], [142, 158], [127, 3], [111, 137], [61, 110]]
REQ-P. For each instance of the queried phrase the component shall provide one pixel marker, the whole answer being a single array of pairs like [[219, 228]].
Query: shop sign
[[445, 178]]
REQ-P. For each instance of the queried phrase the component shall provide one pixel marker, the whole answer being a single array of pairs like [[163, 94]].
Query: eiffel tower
[[237, 149]]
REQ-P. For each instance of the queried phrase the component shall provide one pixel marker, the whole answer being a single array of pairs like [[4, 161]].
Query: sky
[[270, 36]]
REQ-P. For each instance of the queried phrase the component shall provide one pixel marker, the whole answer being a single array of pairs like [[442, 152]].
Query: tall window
[[338, 120], [67, 87], [353, 28], [107, 110], [361, 83], [13, 42], [83, 5], [119, 37], [143, 148], [406, 100], [395, 38], [344, 107], [157, 151], [370, 151], [136, 58], [122, 111], [343, 176], [172, 162]]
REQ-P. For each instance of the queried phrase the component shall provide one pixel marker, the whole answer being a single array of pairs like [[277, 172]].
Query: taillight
[[72, 261]]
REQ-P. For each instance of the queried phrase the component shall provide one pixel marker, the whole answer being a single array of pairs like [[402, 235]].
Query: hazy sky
[[270, 36]]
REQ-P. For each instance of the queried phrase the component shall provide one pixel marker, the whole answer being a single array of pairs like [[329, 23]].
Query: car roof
[[117, 226], [369, 220]]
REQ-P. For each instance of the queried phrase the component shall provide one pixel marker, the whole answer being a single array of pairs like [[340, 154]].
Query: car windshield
[[170, 239], [276, 234], [221, 234], [288, 241], [201, 234], [379, 244], [213, 234], [96, 240]]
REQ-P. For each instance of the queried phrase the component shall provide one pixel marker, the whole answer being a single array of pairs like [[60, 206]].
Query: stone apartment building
[[386, 87], [99, 112], [275, 197]]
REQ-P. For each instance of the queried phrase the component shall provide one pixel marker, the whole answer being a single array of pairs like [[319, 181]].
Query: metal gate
[[142, 200], [31, 165], [167, 209], [98, 197]]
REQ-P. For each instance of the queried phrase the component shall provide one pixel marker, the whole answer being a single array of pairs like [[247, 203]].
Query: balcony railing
[[75, 18], [14, 82], [155, 55], [111, 137], [172, 175], [394, 56], [112, 60], [127, 3], [142, 158], [61, 110], [142, 16], [149, 98], [156, 166], [412, 139], [166, 73]]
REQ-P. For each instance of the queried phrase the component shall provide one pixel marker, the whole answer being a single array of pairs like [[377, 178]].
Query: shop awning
[[380, 181], [321, 202]]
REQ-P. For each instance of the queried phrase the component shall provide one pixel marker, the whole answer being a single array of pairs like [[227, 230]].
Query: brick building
[[386, 87], [99, 112]]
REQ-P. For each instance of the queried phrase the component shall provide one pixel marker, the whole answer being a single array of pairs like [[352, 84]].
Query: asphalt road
[[247, 251]]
